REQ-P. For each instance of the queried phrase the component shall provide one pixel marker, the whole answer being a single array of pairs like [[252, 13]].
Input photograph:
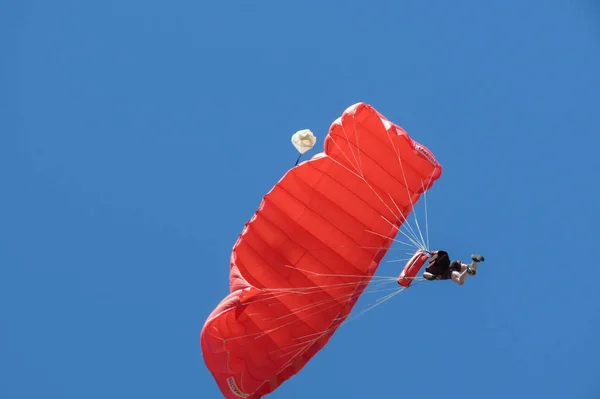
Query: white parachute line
[[404, 220], [352, 246], [366, 284], [358, 164], [406, 184], [413, 244], [303, 349], [379, 302], [263, 333], [293, 356], [364, 180], [337, 275], [358, 172], [398, 260], [357, 142], [383, 202], [305, 316], [337, 325], [416, 278], [288, 350], [410, 198], [309, 343], [341, 164], [278, 293], [304, 346], [415, 241], [361, 279], [308, 290], [412, 205], [333, 300], [309, 306], [361, 174], [299, 308], [365, 247], [302, 308], [369, 287], [425, 203], [385, 298], [424, 242], [400, 213], [426, 217]]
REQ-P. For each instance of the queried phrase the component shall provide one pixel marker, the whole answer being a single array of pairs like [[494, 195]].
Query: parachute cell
[[304, 258]]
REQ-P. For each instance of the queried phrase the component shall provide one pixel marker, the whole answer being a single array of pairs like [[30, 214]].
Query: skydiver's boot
[[477, 258], [472, 268]]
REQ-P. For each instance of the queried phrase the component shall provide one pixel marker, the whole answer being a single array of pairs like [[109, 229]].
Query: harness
[[439, 265]]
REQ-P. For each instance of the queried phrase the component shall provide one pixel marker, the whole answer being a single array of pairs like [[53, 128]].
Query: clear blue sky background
[[137, 137]]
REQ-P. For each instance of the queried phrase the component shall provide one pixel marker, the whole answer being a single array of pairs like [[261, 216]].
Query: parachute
[[305, 257], [303, 140]]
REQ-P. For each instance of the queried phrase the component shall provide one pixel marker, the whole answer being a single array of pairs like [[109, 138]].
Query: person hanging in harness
[[441, 268]]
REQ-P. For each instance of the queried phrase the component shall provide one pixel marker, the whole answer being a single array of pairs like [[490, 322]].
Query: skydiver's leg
[[429, 276], [459, 276], [455, 265], [459, 273], [473, 266]]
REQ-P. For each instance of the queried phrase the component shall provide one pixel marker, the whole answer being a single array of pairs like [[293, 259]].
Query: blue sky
[[137, 138]]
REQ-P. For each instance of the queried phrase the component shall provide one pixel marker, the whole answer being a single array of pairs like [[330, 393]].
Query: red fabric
[[411, 268], [304, 258]]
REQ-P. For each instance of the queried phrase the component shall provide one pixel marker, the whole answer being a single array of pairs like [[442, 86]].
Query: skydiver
[[441, 268]]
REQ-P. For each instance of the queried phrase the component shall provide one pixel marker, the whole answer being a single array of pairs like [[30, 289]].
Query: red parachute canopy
[[302, 261]]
